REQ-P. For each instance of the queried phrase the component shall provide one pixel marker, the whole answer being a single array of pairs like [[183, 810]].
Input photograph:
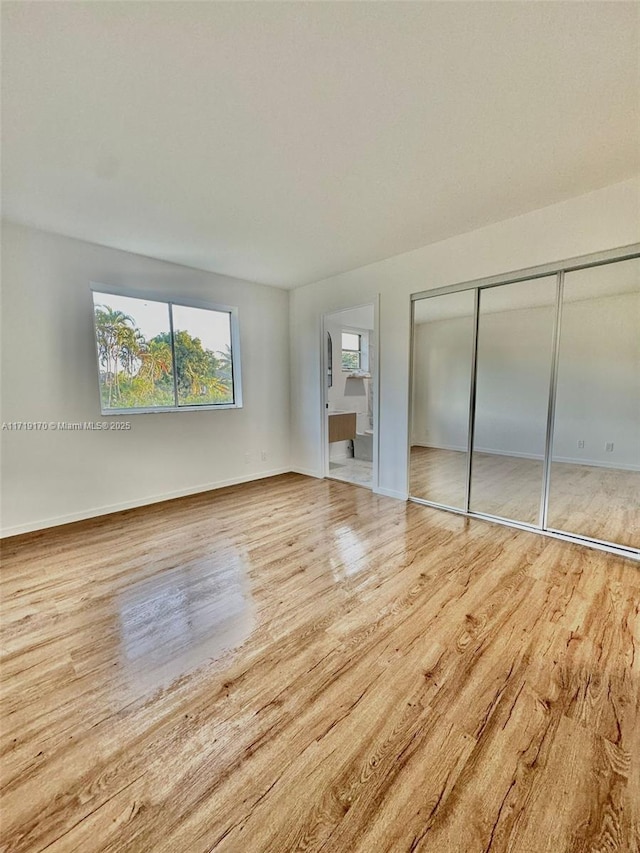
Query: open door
[[350, 395]]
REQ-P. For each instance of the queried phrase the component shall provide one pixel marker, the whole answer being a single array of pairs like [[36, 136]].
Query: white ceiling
[[285, 142]]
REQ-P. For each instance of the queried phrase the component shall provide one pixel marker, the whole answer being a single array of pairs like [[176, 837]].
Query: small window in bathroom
[[351, 351]]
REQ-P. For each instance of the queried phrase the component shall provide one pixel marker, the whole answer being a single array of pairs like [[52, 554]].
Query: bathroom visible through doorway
[[350, 395]]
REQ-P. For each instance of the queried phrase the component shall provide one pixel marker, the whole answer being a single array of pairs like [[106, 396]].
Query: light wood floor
[[297, 664], [602, 503]]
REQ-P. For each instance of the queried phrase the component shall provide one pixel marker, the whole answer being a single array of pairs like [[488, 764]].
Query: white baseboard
[[432, 446], [391, 493], [594, 463], [234, 481], [95, 512], [490, 451], [307, 472]]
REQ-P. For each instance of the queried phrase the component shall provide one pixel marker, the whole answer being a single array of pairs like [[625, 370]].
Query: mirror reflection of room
[[595, 473], [350, 395], [553, 445], [515, 346], [442, 361]]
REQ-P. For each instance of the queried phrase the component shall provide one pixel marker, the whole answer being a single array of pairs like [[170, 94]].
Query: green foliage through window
[[350, 360], [143, 365], [351, 351]]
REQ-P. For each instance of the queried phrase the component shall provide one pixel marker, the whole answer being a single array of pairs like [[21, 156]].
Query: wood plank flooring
[[296, 664], [601, 503]]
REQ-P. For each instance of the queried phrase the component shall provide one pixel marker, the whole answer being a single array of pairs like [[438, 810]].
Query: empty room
[[320, 473]]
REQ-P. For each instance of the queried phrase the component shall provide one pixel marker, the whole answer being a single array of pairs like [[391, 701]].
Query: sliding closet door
[[515, 346], [443, 332], [595, 471]]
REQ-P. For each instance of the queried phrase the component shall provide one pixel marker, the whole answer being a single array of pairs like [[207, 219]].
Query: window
[[159, 356], [351, 351]]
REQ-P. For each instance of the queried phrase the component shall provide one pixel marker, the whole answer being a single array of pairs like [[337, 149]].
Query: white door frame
[[375, 380]]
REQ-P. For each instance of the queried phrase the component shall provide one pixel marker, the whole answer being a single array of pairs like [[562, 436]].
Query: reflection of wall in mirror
[[598, 397]]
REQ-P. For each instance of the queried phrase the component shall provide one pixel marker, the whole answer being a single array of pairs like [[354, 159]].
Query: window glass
[[204, 367], [157, 355], [351, 351], [134, 352]]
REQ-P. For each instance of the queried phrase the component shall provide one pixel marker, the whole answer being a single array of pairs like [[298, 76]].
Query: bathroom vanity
[[342, 426]]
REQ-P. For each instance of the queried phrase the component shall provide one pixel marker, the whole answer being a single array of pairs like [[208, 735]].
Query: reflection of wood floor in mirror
[[603, 503], [300, 664]]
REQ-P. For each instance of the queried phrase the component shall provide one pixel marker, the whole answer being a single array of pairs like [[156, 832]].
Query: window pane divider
[[173, 357]]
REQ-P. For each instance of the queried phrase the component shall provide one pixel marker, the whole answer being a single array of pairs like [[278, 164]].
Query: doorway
[[350, 427]]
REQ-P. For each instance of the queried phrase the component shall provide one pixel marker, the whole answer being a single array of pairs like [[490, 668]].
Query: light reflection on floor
[[349, 554], [175, 621]]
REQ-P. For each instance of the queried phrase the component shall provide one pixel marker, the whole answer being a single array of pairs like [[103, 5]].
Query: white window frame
[[363, 351], [152, 296]]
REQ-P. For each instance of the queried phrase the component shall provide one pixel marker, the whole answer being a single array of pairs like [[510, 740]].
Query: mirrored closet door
[[594, 487], [525, 400], [443, 344], [515, 342]]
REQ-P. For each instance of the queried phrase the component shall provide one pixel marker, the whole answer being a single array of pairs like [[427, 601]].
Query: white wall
[[49, 374], [49, 365], [512, 389], [600, 220], [598, 399], [441, 383]]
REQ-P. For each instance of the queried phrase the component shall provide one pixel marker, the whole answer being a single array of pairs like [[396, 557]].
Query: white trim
[[516, 453], [375, 386], [432, 446], [307, 472], [96, 512], [324, 395], [609, 256], [594, 463], [155, 296], [390, 493], [205, 407], [490, 452]]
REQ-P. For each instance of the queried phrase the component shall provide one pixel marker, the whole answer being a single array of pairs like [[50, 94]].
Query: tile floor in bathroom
[[355, 471]]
